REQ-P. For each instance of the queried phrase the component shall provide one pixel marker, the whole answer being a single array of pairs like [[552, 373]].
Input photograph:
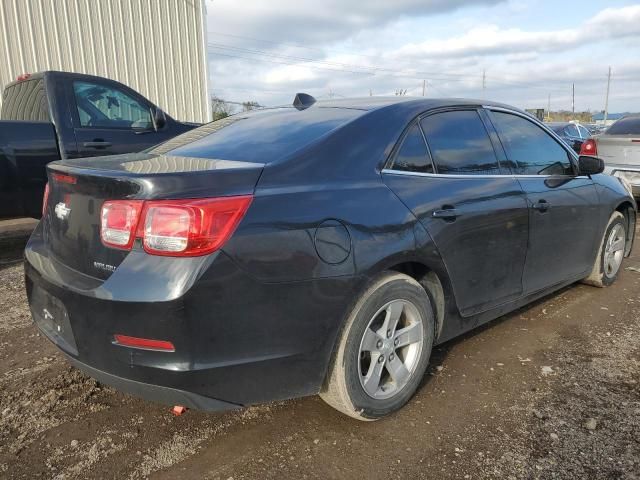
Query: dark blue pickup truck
[[51, 115]]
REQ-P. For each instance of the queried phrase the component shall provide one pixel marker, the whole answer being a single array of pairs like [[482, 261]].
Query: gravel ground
[[550, 391]]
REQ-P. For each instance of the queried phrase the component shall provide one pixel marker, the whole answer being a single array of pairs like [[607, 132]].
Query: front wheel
[[383, 349], [609, 260]]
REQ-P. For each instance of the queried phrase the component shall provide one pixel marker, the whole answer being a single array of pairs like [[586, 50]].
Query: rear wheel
[[609, 260], [383, 349]]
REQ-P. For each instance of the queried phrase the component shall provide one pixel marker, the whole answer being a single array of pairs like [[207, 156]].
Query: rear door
[[111, 119], [474, 210], [563, 206]]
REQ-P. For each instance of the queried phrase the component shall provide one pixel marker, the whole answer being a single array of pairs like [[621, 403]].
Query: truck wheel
[[609, 258], [383, 349]]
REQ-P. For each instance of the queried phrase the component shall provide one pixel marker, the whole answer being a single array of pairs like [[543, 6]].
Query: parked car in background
[[595, 129], [619, 147], [572, 133], [321, 248], [56, 115]]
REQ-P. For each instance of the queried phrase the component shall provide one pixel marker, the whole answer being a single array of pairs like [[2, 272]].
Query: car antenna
[[303, 100]]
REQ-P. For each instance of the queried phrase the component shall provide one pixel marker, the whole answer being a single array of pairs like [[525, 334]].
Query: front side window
[[533, 150], [107, 107], [459, 143], [412, 155]]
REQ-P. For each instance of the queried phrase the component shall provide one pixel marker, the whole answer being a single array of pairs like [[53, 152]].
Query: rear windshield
[[260, 137], [25, 101], [625, 126]]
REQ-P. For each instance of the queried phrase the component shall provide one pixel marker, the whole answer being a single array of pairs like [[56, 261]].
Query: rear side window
[[571, 130], [261, 136], [25, 101], [533, 150], [412, 155], [584, 133], [459, 143], [625, 126]]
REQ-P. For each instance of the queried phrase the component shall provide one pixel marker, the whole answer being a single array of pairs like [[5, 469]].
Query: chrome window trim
[[451, 175]]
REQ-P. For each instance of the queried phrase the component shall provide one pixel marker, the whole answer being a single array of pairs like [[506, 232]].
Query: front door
[[475, 212], [563, 206], [110, 121]]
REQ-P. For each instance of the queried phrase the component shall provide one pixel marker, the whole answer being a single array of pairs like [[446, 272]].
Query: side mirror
[[159, 118], [588, 165]]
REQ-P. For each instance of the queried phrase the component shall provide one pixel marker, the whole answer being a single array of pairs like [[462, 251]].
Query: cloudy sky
[[267, 51]]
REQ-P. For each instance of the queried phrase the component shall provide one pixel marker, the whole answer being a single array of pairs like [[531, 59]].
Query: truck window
[[101, 106], [25, 101]]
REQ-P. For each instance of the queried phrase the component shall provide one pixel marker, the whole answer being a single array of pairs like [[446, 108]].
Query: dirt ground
[[551, 391]]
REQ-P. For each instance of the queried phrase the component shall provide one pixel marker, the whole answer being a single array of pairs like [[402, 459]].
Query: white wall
[[157, 47]]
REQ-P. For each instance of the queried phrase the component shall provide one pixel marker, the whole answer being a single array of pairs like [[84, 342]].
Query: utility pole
[[549, 108], [424, 86], [573, 99], [484, 82], [606, 99]]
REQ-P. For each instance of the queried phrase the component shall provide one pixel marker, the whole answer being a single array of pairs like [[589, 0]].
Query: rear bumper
[[238, 341], [154, 393]]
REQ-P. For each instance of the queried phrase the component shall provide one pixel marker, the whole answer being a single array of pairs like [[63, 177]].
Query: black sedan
[[572, 133], [322, 248]]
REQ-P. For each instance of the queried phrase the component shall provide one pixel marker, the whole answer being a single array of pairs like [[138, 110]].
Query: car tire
[[612, 250], [387, 339]]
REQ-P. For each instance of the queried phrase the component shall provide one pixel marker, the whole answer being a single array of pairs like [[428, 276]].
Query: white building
[[157, 47]]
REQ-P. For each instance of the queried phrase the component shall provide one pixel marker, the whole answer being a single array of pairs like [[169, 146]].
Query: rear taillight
[[118, 222], [45, 199], [589, 147], [173, 227]]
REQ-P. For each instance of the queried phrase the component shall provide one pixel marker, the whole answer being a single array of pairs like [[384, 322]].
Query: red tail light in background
[[118, 222], [45, 199], [589, 147], [183, 228], [62, 178]]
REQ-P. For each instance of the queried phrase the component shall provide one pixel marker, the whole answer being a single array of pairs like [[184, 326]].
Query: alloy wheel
[[390, 349], [614, 251]]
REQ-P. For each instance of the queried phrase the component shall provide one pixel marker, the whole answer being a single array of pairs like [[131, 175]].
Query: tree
[[250, 105], [220, 108]]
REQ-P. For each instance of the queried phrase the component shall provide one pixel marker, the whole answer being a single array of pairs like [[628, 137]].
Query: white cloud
[[492, 40], [348, 48]]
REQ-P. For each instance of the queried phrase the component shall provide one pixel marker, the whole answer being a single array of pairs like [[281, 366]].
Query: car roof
[[373, 103]]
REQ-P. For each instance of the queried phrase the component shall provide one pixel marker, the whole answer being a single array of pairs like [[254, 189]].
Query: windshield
[[261, 136]]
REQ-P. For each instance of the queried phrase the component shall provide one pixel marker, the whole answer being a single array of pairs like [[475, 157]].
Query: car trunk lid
[[79, 187], [619, 149]]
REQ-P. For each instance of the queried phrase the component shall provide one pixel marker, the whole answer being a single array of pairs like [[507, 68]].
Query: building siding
[[157, 47]]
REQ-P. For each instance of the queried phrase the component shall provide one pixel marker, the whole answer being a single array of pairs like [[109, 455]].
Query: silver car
[[619, 147]]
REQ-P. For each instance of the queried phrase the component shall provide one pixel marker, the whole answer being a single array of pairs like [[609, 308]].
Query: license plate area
[[51, 317]]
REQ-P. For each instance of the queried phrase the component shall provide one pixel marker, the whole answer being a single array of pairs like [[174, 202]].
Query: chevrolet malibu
[[322, 248]]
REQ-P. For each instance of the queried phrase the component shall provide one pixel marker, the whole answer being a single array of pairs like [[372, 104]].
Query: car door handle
[[446, 213], [541, 205], [97, 144]]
